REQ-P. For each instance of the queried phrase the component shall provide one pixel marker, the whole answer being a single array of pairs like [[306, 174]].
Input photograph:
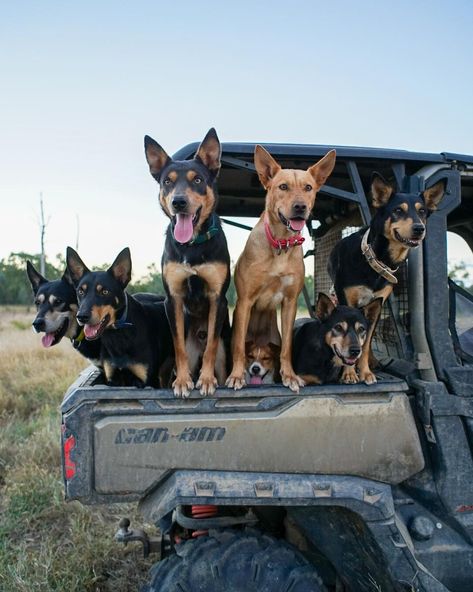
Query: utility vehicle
[[341, 487]]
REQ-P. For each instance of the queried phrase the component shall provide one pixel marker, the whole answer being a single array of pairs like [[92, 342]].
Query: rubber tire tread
[[234, 561]]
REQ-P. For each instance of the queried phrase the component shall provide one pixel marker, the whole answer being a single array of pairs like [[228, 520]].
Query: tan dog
[[270, 271]]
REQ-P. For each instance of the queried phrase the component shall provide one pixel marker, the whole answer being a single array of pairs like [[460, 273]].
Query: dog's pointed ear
[[210, 151], [433, 195], [36, 279], [156, 156], [75, 266], [324, 306], [372, 310], [121, 267], [322, 169], [381, 190], [66, 276], [266, 166]]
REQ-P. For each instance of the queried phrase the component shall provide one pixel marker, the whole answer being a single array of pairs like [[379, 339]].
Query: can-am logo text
[[162, 435]]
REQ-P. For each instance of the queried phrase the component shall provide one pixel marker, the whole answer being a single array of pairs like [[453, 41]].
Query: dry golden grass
[[46, 544]]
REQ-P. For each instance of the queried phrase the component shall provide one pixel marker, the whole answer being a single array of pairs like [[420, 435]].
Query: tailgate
[[127, 440]]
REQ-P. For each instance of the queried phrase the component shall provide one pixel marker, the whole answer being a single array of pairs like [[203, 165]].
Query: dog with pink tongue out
[[195, 262], [270, 271], [262, 363]]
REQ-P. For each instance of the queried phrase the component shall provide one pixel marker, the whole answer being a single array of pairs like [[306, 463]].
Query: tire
[[235, 561]]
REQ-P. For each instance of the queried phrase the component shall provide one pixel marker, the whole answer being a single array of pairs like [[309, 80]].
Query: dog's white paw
[[293, 382], [207, 385], [236, 381], [367, 377], [349, 375], [182, 387]]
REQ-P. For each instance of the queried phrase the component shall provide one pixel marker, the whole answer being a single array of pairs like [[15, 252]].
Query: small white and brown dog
[[262, 363]]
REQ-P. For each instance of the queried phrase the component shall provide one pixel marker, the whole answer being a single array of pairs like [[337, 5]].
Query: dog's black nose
[[38, 324], [299, 208], [354, 350], [179, 203], [418, 229], [256, 369], [83, 318]]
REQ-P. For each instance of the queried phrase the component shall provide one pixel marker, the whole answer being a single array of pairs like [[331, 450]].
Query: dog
[[134, 335], [327, 347], [262, 363], [195, 261], [363, 265], [56, 306], [270, 271], [196, 342]]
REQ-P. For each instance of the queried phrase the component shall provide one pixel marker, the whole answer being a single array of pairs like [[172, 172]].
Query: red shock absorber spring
[[208, 511]]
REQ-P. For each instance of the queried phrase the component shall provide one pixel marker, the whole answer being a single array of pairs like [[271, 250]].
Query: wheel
[[235, 561]]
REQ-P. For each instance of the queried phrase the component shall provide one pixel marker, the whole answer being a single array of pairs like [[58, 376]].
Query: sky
[[83, 82]]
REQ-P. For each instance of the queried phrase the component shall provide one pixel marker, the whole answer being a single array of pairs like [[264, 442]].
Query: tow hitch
[[125, 535]]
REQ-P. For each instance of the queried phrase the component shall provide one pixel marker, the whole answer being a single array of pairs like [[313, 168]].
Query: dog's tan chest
[[176, 274], [275, 288]]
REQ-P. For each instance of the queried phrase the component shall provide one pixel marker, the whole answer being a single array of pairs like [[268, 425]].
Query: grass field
[[46, 544]]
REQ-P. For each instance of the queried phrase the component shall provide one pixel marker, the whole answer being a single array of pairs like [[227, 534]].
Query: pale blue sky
[[83, 82]]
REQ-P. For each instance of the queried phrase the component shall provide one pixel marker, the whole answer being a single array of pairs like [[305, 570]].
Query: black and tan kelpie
[[195, 262], [327, 347], [56, 306], [134, 334], [363, 265]]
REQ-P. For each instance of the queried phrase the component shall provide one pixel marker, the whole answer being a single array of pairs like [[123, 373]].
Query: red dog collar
[[282, 243]]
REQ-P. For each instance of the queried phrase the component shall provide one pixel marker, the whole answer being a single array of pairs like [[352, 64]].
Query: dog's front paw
[[349, 375], [182, 386], [292, 381], [236, 380], [367, 376], [207, 384]]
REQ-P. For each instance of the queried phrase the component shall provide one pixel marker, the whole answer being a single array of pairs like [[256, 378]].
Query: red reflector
[[69, 465]]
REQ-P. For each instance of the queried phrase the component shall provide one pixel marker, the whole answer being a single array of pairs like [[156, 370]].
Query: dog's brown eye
[[360, 331], [167, 181], [422, 211], [283, 187], [105, 292], [197, 180], [338, 328], [80, 291], [308, 187], [399, 211], [57, 302]]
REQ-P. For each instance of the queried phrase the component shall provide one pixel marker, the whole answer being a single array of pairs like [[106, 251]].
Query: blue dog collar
[[122, 322]]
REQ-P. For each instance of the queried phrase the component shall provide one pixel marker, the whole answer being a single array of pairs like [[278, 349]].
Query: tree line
[[16, 289]]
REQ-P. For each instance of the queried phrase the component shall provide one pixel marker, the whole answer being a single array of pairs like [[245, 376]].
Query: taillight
[[68, 445]]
